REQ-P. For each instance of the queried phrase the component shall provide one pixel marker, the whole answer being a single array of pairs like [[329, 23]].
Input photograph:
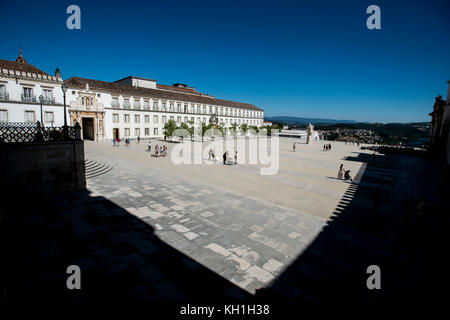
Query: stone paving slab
[[207, 223]]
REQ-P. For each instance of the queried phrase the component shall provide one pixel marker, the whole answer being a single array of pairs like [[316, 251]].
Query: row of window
[[137, 119], [28, 94], [137, 132], [30, 116], [185, 109]]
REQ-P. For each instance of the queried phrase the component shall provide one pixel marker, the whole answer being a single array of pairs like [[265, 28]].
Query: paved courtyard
[[245, 227], [149, 229]]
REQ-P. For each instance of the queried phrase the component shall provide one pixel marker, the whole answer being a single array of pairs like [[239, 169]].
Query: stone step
[[95, 168], [93, 175]]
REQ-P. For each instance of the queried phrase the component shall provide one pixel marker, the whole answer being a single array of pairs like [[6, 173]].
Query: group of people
[[160, 151], [327, 147], [226, 158], [344, 174], [116, 142], [229, 160]]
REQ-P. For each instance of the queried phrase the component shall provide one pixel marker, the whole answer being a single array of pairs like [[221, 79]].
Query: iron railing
[[49, 100], [21, 132], [27, 98], [4, 96]]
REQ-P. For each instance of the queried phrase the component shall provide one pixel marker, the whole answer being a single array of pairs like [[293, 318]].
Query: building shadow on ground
[[365, 229], [120, 257]]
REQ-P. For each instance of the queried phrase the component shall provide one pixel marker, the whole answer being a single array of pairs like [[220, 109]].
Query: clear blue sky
[[299, 58]]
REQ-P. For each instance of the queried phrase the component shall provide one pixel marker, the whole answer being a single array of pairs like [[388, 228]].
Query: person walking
[[236, 157], [114, 142], [293, 147], [138, 139], [149, 146], [225, 157]]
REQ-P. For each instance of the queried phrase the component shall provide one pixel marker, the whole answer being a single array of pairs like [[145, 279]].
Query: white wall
[[105, 100], [16, 107]]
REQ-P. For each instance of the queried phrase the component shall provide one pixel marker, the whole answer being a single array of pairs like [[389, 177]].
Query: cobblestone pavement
[[245, 241]]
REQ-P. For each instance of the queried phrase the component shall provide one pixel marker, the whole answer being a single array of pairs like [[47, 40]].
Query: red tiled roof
[[119, 88], [20, 66]]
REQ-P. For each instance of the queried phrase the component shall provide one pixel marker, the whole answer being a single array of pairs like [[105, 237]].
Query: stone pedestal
[[309, 132]]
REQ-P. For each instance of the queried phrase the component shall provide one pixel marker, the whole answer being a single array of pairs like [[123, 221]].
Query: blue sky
[[298, 58]]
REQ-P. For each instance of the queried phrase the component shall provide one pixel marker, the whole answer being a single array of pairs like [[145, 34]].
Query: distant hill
[[298, 121], [406, 132]]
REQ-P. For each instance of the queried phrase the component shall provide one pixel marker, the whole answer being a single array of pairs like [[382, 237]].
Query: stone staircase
[[94, 168]]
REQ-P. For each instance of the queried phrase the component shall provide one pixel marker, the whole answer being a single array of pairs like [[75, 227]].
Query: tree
[[221, 128], [233, 129], [189, 127], [169, 128], [255, 128], [205, 128], [244, 128]]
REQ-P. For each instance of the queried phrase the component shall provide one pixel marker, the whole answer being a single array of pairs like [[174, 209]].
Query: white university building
[[21, 85], [127, 108]]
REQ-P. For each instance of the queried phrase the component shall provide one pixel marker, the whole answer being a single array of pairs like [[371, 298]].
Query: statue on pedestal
[[309, 132]]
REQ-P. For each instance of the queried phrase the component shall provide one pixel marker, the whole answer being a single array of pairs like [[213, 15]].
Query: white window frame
[[6, 112], [46, 113], [29, 112]]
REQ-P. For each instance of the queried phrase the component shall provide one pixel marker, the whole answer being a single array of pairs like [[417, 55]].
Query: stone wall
[[43, 167]]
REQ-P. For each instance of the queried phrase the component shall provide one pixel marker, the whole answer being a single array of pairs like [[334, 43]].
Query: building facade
[[127, 108], [137, 107], [21, 85], [439, 140]]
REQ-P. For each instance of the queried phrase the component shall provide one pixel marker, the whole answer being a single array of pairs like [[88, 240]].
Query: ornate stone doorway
[[92, 124], [87, 124]]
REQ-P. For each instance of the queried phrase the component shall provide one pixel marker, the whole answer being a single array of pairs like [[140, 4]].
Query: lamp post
[[64, 89], [41, 100]]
